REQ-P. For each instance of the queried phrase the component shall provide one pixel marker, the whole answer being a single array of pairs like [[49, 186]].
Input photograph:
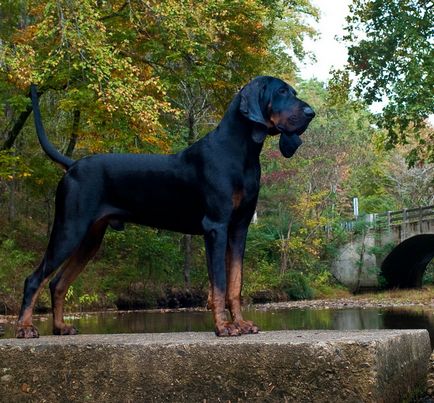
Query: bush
[[428, 277], [296, 286], [14, 265], [137, 296], [325, 285], [262, 276]]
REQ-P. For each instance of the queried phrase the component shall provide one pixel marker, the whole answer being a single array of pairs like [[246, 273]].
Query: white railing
[[390, 218]]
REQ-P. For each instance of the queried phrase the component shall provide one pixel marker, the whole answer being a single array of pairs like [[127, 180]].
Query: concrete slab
[[295, 366]]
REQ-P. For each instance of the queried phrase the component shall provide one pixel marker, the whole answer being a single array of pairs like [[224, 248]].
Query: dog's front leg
[[234, 272], [216, 238]]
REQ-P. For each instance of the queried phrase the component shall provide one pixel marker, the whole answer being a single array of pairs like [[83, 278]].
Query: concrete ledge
[[300, 366]]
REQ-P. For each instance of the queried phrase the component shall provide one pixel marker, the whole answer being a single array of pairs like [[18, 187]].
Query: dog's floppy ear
[[250, 107]]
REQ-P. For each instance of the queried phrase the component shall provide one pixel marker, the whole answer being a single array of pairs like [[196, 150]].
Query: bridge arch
[[406, 263]]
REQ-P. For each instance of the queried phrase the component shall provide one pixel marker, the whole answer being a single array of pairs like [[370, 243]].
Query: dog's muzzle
[[289, 142]]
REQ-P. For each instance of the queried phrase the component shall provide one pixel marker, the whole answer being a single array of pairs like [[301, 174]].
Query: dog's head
[[273, 107]]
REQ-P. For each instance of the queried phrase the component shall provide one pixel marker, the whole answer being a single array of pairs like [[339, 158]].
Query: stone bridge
[[398, 245]]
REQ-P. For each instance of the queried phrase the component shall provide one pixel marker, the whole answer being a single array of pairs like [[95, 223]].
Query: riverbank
[[382, 299]]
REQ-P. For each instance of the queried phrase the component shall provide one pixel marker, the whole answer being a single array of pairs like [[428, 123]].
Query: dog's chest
[[246, 190]]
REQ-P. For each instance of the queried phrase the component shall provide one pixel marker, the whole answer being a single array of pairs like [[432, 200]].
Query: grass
[[331, 292], [423, 295]]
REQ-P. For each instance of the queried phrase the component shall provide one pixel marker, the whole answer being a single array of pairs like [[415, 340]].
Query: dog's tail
[[49, 149]]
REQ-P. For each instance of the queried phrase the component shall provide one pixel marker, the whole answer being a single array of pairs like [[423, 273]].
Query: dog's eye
[[282, 91]]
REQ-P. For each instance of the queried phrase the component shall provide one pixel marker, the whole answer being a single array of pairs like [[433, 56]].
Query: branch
[[74, 132], [12, 134], [115, 14]]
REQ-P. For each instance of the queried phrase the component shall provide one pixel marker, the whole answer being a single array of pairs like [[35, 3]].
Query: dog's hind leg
[[63, 241], [70, 271]]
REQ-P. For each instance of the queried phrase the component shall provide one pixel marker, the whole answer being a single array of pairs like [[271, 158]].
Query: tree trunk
[[187, 241], [284, 252], [11, 204], [283, 259], [74, 133], [360, 262], [13, 133]]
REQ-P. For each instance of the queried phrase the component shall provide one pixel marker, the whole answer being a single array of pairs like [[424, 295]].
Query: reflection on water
[[337, 319]]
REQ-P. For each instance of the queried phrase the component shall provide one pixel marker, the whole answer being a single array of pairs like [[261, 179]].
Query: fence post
[[388, 218], [420, 219], [404, 224]]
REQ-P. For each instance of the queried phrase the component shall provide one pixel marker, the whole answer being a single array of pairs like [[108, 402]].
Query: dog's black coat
[[210, 188]]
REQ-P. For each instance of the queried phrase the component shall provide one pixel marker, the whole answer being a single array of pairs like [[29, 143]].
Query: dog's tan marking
[[237, 198], [70, 271], [27, 317], [234, 281]]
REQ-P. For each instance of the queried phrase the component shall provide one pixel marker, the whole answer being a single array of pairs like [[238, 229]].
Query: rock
[[6, 378], [371, 366]]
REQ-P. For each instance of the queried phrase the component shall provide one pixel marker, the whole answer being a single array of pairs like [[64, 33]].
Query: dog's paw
[[26, 332], [65, 330], [246, 327], [227, 329]]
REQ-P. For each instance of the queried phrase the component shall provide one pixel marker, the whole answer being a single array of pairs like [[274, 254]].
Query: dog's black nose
[[308, 111]]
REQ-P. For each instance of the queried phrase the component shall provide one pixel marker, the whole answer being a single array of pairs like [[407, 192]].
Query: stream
[[161, 321]]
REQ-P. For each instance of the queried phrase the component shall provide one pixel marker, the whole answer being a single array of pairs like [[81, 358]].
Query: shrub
[[296, 286], [15, 263]]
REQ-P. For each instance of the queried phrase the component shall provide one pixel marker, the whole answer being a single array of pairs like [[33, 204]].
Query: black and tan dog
[[210, 188]]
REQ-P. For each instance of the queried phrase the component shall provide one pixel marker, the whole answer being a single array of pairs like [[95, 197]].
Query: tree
[[390, 50], [114, 62], [69, 47], [132, 76], [204, 51], [302, 196], [410, 187]]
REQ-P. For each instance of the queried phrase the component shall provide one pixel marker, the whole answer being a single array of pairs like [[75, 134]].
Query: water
[[288, 319]]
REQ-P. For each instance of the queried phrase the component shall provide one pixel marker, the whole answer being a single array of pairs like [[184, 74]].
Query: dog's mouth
[[290, 131], [298, 131]]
